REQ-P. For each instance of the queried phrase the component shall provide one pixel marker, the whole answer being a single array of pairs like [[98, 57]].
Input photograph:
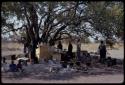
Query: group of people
[[16, 68], [70, 55], [67, 57], [12, 67]]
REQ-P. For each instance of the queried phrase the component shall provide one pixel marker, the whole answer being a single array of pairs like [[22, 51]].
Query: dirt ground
[[118, 78]]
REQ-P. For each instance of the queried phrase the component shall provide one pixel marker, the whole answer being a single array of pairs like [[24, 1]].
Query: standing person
[[102, 51], [78, 49], [4, 60], [70, 47], [69, 53]]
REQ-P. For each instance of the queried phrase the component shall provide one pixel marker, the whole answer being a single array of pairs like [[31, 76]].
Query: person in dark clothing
[[19, 66], [12, 67], [13, 57], [63, 57], [109, 61], [88, 59], [70, 47], [68, 56], [69, 53], [102, 51], [4, 60], [59, 45]]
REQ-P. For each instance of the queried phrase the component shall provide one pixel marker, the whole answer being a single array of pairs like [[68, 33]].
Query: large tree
[[47, 21], [42, 21]]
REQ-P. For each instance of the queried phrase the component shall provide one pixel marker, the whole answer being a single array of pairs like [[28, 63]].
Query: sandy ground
[[108, 78], [118, 78], [115, 53]]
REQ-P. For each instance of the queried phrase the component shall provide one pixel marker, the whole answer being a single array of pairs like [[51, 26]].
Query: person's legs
[[102, 57], [78, 56]]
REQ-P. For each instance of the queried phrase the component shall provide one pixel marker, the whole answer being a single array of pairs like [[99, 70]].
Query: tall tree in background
[[107, 18]]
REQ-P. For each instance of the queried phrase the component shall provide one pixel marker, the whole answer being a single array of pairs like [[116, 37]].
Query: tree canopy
[[48, 21]]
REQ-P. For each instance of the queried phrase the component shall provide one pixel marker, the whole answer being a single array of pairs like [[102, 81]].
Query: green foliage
[[107, 17]]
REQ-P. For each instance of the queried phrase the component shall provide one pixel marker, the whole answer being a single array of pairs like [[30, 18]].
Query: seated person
[[84, 57], [88, 60], [12, 67], [19, 66], [3, 65], [69, 56]]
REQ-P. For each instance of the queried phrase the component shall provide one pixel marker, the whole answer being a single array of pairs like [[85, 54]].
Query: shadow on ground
[[46, 75]]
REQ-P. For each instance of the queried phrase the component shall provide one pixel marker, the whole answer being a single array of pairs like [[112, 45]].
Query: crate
[[46, 52]]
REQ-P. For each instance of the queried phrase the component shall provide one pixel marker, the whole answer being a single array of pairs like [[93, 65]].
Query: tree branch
[[27, 18], [12, 30], [60, 29], [41, 20]]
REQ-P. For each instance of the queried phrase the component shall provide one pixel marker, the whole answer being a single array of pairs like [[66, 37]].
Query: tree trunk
[[33, 53], [24, 49]]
